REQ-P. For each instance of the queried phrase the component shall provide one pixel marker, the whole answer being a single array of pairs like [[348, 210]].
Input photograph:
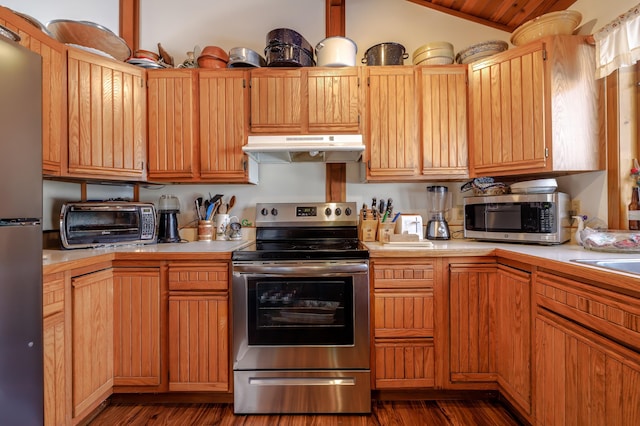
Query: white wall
[[181, 25]]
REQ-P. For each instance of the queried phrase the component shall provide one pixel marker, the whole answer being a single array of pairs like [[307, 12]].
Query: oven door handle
[[301, 269]]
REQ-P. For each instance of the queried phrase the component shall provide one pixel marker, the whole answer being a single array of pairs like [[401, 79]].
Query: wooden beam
[[336, 178], [130, 23], [617, 205]]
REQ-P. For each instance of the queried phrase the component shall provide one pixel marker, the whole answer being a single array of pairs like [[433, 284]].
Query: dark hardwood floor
[[447, 412]]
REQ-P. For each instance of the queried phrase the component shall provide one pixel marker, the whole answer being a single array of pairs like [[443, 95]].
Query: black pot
[[385, 54], [288, 36], [288, 55]]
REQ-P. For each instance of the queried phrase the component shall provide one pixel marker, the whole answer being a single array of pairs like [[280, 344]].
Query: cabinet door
[[334, 100], [224, 101], [391, 133], [91, 340], [173, 124], [198, 341], [443, 91], [54, 82], [56, 411], [107, 117], [136, 325], [583, 378], [513, 335], [276, 101], [472, 290], [507, 113]]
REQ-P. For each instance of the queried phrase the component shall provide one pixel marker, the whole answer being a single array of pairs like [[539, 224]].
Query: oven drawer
[[310, 391], [213, 276]]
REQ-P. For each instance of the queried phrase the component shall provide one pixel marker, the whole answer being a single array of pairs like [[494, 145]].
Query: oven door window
[[300, 311]]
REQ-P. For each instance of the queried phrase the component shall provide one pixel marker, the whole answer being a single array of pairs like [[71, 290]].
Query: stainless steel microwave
[[526, 218], [107, 223]]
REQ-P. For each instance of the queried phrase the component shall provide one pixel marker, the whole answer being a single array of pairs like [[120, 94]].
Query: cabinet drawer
[[403, 314], [610, 314], [199, 277], [404, 363], [52, 294], [403, 275]]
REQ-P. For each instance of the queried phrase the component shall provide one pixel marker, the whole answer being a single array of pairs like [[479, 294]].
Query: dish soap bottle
[[578, 234]]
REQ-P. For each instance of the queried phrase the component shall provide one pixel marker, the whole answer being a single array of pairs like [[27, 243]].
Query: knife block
[[367, 226]]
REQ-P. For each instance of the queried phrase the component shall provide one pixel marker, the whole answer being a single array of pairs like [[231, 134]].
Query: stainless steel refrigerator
[[21, 354]]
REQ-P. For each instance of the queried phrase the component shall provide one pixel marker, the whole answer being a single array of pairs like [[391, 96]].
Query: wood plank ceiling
[[504, 15]]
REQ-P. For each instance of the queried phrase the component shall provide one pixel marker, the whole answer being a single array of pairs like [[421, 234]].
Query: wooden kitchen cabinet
[[54, 83], [137, 327], [199, 327], [391, 129], [472, 291], [56, 408], [444, 121], [91, 340], [107, 117], [224, 105], [587, 345], [534, 109], [513, 335], [334, 100], [172, 105], [403, 323], [276, 101]]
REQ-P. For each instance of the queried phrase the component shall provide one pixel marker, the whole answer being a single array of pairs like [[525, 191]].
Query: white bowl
[[563, 22]]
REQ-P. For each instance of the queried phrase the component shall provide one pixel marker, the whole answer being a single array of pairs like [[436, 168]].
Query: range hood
[[305, 148]]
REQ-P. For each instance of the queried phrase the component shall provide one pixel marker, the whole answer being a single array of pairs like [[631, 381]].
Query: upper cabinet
[[224, 102], [54, 107], [107, 117], [305, 100], [172, 124], [391, 131], [534, 109], [443, 99]]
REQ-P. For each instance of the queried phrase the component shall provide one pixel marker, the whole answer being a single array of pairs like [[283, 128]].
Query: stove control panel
[[299, 214]]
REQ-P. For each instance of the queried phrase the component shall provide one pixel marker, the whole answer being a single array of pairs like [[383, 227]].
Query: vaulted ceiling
[[505, 15]]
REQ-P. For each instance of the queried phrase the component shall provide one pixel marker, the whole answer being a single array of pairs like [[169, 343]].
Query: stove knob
[[338, 211], [274, 211], [347, 211], [264, 212], [327, 211]]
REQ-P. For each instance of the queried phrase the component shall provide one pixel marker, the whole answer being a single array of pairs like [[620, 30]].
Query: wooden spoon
[[232, 202]]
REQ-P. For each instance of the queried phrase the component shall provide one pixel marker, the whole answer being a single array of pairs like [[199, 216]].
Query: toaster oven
[[107, 223]]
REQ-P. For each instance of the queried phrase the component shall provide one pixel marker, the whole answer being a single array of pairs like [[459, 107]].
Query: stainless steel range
[[301, 312]]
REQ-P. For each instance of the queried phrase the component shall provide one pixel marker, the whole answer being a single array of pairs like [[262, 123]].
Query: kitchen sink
[[631, 266]]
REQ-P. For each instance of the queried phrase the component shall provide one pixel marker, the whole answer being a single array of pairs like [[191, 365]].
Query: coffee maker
[[439, 202], [168, 209]]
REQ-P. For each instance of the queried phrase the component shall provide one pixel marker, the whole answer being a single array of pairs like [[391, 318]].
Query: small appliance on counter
[[439, 202], [168, 209]]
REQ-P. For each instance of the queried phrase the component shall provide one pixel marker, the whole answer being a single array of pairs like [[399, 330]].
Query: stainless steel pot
[[388, 53], [288, 55], [242, 57]]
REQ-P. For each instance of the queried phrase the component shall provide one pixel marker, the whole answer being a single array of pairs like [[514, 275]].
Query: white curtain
[[618, 43]]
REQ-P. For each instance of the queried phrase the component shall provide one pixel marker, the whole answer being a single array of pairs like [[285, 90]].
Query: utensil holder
[[205, 230]]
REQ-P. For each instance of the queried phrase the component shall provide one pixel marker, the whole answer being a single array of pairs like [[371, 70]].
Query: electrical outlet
[[576, 207]]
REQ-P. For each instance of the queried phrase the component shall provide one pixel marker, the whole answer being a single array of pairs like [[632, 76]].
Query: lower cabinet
[[91, 340], [56, 410], [403, 317], [199, 327], [583, 378], [136, 327]]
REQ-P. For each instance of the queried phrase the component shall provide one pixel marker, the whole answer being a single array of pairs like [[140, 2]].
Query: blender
[[168, 209], [439, 201]]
